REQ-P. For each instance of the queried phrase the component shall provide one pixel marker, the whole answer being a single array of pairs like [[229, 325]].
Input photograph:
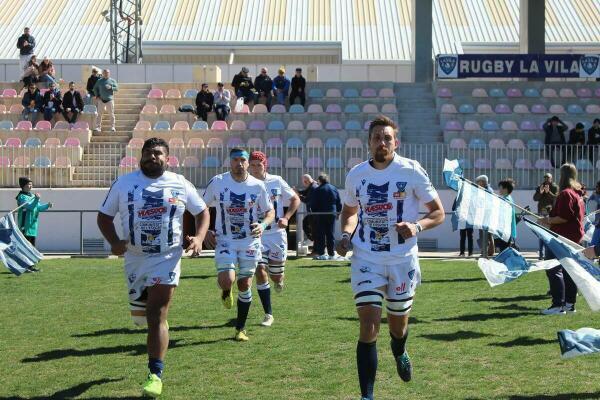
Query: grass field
[[66, 333]]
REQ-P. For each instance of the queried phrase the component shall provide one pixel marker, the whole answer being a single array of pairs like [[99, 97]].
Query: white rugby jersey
[[152, 210], [386, 197], [237, 204], [280, 194]]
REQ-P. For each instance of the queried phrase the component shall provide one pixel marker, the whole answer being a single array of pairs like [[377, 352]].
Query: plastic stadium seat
[[191, 162], [444, 93], [503, 164], [257, 125], [315, 93], [16, 109], [238, 125], [592, 109], [149, 109], [276, 125], [274, 143], [333, 109], [386, 93], [490, 125], [483, 163], [521, 109], [173, 94], [173, 161], [181, 126], [162, 126], [89, 109], [352, 125], [24, 126], [195, 143], [293, 163], [584, 164], [245, 110], [296, 109], [333, 126], [543, 164], [61, 125], [278, 109], [496, 92], [528, 125], [515, 144], [352, 109], [597, 92], [566, 92], [314, 143], [314, 126], [334, 163], [214, 143], [333, 143], [314, 109], [255, 143], [155, 94], [458, 144], [72, 142], [201, 125], [21, 162], [453, 125], [143, 126], [368, 93], [128, 162], [211, 162], [479, 92], [62, 162], [314, 162], [448, 108], [294, 143], [217, 126], [275, 162], [43, 126], [333, 93], [502, 109], [557, 109], [350, 93], [549, 93], [389, 108], [370, 109], [354, 143], [2, 109], [535, 145], [523, 163], [531, 92], [496, 144], [574, 109], [168, 109], [472, 126], [135, 143], [9, 93], [42, 162], [539, 109], [33, 142], [477, 144], [176, 143], [190, 94], [584, 93], [352, 162], [6, 125], [295, 126], [466, 109], [514, 92], [52, 142]]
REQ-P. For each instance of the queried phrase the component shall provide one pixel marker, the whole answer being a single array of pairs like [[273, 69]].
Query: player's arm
[[348, 221], [107, 228], [258, 229], [294, 203], [202, 221]]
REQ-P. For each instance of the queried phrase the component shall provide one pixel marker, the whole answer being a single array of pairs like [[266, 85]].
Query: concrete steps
[[417, 115]]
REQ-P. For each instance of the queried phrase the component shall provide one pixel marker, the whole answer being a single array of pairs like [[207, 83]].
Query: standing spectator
[[482, 181], [32, 103], [466, 234], [307, 222], [25, 44], [243, 86], [91, 82], [505, 188], [204, 102], [281, 85], [264, 85], [595, 197], [545, 195], [566, 219], [325, 199], [104, 89], [554, 140], [29, 213], [298, 88], [577, 139], [72, 104], [31, 72], [593, 139], [52, 102], [222, 97]]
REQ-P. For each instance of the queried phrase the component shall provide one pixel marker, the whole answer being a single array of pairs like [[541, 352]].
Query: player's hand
[[195, 244], [406, 229], [343, 246], [283, 223], [37, 195], [50, 205], [590, 253], [211, 238], [119, 248], [257, 229]]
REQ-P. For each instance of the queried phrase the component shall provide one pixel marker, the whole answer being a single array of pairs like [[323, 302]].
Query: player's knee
[[276, 269], [155, 314], [138, 312], [373, 298], [399, 306], [225, 267], [245, 296], [247, 268]]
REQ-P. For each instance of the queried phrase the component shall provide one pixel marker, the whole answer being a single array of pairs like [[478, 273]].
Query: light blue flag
[[510, 265], [581, 342], [452, 173], [583, 272], [479, 209], [16, 253]]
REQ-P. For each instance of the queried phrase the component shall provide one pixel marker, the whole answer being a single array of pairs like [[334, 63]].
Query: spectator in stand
[[482, 181], [91, 82], [282, 86], [29, 213], [222, 97], [325, 199], [505, 188], [243, 86], [52, 102], [32, 104], [30, 74], [25, 44], [72, 104], [204, 102], [595, 198], [545, 195], [554, 140], [577, 139], [104, 90], [264, 85], [307, 222], [593, 139], [45, 66], [298, 88]]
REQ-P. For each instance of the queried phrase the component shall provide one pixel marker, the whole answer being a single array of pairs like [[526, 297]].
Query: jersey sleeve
[[110, 206], [423, 189], [287, 193], [263, 200], [194, 202], [210, 192], [350, 196]]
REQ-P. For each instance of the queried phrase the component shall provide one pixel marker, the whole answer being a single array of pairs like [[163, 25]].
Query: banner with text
[[459, 66]]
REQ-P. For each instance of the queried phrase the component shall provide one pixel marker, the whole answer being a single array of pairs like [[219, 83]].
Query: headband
[[239, 153], [260, 156]]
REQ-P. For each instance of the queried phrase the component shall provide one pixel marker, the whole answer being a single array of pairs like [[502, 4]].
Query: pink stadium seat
[[61, 125], [584, 93], [386, 93], [368, 93], [275, 162], [314, 109], [245, 110], [514, 92], [257, 125], [191, 162], [168, 109], [448, 108], [496, 144], [173, 161], [173, 94], [566, 92], [259, 109], [274, 143], [219, 126], [458, 144], [293, 163], [135, 143], [482, 163], [528, 125], [21, 162], [452, 125], [502, 109], [354, 143], [549, 93], [278, 109], [195, 143], [81, 126], [214, 143], [238, 125], [515, 144], [352, 162], [6, 93], [597, 92], [314, 162], [24, 126], [149, 109], [314, 143], [333, 126], [538, 109], [472, 126], [484, 109], [592, 109], [155, 94], [52, 142], [523, 163], [176, 143], [333, 93], [234, 142], [557, 109], [295, 126], [444, 93], [509, 126], [503, 164], [4, 161], [370, 109], [181, 126], [143, 126], [62, 162], [255, 143], [128, 162], [333, 109], [314, 126], [12, 142], [520, 109], [43, 126], [477, 92], [543, 164], [72, 142], [16, 109]]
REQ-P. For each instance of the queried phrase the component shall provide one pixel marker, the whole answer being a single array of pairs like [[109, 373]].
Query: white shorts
[[274, 246], [400, 280], [241, 253], [149, 270]]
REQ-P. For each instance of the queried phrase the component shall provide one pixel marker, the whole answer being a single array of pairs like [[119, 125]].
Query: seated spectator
[[264, 85], [30, 73], [32, 103], [204, 102], [243, 86], [52, 101], [45, 65], [47, 78], [91, 82], [72, 104], [222, 97], [577, 138], [298, 88], [281, 86]]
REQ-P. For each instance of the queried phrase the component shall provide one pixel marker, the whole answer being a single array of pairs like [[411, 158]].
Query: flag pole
[[21, 206]]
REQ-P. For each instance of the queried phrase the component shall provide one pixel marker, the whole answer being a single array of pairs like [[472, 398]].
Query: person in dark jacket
[[32, 104], [52, 102], [307, 222], [264, 85], [204, 102], [25, 44], [243, 86], [554, 140], [72, 104], [593, 139], [326, 199], [281, 86], [91, 82], [577, 140], [298, 88]]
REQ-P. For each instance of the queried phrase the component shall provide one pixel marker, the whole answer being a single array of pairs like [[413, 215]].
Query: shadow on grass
[[459, 335], [133, 331], [562, 396], [347, 280], [69, 393], [523, 341], [453, 280], [485, 317], [515, 299], [411, 320], [515, 307], [341, 264], [197, 276]]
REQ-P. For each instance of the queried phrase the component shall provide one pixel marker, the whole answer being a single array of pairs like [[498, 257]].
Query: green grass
[[66, 333]]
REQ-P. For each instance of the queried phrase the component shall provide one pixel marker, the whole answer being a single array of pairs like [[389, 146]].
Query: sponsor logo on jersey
[[149, 212], [153, 210], [363, 282], [364, 270], [172, 276], [378, 208], [401, 289], [411, 274], [156, 280], [401, 193], [131, 278], [237, 207], [377, 205]]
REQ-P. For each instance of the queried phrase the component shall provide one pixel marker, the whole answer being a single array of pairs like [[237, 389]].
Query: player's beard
[[380, 155], [153, 169]]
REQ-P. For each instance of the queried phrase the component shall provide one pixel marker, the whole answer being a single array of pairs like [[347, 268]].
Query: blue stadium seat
[[350, 93], [315, 93], [6, 125], [211, 162], [162, 126], [42, 162], [584, 165], [276, 126], [465, 163], [490, 125], [574, 109], [200, 126], [33, 142], [296, 109], [352, 109], [333, 143], [496, 92], [466, 109], [191, 93], [294, 143], [535, 145], [477, 144], [89, 108], [335, 162], [532, 92], [352, 125]]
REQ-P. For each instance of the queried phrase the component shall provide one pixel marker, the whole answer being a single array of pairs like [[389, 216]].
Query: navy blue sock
[[398, 345], [366, 361], [264, 292], [242, 314], [155, 366]]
